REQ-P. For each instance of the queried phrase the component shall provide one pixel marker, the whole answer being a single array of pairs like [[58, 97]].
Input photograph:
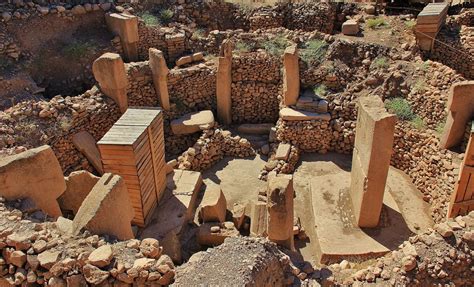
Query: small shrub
[[77, 50], [424, 66], [198, 34], [401, 108], [243, 47], [376, 23], [410, 24], [320, 90], [440, 127], [276, 46], [150, 19], [314, 51], [380, 63], [166, 15], [418, 123], [419, 86]]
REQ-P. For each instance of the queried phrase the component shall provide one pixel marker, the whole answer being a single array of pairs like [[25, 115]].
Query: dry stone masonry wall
[[140, 91]]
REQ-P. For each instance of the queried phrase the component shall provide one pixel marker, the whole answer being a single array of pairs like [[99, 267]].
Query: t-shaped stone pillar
[[109, 71], [291, 76], [224, 82], [126, 27], [460, 111], [160, 72], [371, 160], [280, 195]]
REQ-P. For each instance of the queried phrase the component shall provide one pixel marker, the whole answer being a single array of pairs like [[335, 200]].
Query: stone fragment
[[64, 225], [78, 10], [350, 28], [97, 213], [290, 114], [258, 219], [283, 152], [34, 174], [238, 215], [280, 195], [206, 237], [408, 263], [17, 258], [224, 83], [172, 247], [102, 256], [193, 122], [87, 145], [48, 258], [291, 75], [213, 206], [184, 61], [94, 275], [150, 248], [78, 186], [443, 229]]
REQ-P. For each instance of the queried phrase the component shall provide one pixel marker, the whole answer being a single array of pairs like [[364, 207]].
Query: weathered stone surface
[[291, 75], [193, 122], [371, 160], [78, 186], [109, 71], [212, 233], [258, 129], [280, 195], [102, 256], [290, 114], [64, 225], [34, 174], [283, 151], [224, 83], [213, 205], [258, 219], [87, 145], [160, 71], [350, 27], [126, 27], [48, 258], [98, 212]]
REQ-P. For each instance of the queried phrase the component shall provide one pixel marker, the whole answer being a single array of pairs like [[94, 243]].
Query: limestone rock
[[350, 27], [213, 205], [193, 122], [78, 186], [102, 256]]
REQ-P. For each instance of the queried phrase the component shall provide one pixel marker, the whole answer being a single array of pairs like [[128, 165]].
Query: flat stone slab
[[328, 180], [193, 122], [177, 206], [283, 151], [255, 129], [290, 114]]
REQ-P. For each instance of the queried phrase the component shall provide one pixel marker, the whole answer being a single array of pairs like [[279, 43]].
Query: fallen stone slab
[[290, 114], [283, 151], [214, 233], [213, 206], [87, 145], [78, 186], [102, 256], [350, 28], [34, 174], [255, 129], [106, 209], [193, 122]]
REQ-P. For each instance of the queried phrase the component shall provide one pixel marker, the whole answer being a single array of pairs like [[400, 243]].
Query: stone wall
[[256, 88], [141, 92], [193, 88], [309, 16]]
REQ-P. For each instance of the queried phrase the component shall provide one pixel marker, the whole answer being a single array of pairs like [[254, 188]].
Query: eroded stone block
[[160, 72], [291, 75], [193, 122], [78, 186], [280, 195], [213, 205], [87, 145], [258, 219]]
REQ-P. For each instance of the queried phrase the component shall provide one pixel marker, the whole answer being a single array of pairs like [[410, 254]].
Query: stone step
[[290, 114], [193, 122]]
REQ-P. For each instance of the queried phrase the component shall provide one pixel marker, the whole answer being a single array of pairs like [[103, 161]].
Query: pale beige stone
[[280, 195], [87, 145], [126, 27], [350, 28], [193, 122], [258, 219], [34, 174], [371, 160], [283, 151], [109, 71], [78, 186], [290, 114], [102, 256], [98, 213], [160, 72], [213, 205], [291, 75]]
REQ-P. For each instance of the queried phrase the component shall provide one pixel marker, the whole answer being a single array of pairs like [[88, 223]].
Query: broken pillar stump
[[134, 149], [213, 206], [87, 145], [126, 27], [371, 160], [106, 209], [78, 186], [160, 71], [109, 71], [280, 194], [291, 75], [258, 219], [224, 83], [460, 111], [34, 174]]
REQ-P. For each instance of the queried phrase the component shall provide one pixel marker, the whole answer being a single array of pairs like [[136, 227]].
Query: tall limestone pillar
[[160, 71], [109, 71], [224, 82], [291, 76], [126, 27], [280, 195], [371, 160]]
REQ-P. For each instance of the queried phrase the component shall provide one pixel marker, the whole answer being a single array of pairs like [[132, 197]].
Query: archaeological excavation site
[[236, 143]]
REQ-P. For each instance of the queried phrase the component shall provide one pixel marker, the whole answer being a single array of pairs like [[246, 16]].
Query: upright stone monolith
[[280, 195], [126, 27], [371, 160], [224, 82], [160, 71], [291, 76], [109, 71]]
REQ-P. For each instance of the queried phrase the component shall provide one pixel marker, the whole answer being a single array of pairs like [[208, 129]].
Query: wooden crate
[[134, 148]]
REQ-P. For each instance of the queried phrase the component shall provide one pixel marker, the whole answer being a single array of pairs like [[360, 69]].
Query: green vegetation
[[276, 46], [410, 24], [440, 127], [77, 50], [166, 15], [376, 23], [150, 19], [401, 108], [320, 90], [418, 123], [243, 47], [419, 86], [424, 66], [198, 34], [380, 63], [314, 51]]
